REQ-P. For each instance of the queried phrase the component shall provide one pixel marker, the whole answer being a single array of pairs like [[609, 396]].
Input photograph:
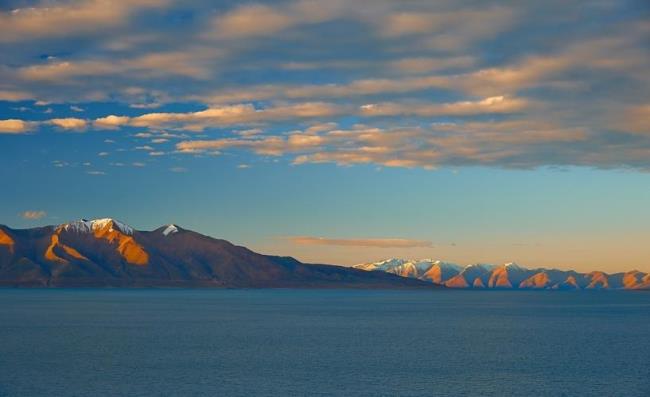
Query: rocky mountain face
[[105, 252], [508, 276]]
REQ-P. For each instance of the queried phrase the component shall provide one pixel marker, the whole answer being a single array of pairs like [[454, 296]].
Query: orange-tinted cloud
[[360, 242], [69, 123], [52, 19], [33, 215], [14, 126]]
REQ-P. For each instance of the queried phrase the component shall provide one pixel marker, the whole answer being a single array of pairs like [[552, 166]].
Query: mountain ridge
[[506, 276], [108, 253]]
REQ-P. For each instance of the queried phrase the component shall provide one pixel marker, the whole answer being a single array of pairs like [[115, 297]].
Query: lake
[[153, 342]]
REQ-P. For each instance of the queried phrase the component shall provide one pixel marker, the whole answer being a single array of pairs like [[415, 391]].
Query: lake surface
[[323, 342]]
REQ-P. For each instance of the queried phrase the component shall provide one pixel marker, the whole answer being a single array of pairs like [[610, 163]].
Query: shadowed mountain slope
[[105, 252]]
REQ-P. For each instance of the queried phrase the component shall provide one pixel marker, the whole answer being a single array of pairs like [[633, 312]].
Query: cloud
[[516, 144], [246, 114], [491, 81], [156, 64], [69, 123], [269, 146], [296, 78], [33, 215], [458, 25], [561, 69], [111, 122], [634, 119], [10, 95], [429, 64], [354, 88], [252, 20], [493, 105], [241, 114], [52, 20], [259, 20], [360, 242], [14, 126]]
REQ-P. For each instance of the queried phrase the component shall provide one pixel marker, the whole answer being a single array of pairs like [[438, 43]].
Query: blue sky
[[339, 132]]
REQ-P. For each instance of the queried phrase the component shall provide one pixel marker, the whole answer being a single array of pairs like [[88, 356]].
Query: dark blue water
[[352, 343]]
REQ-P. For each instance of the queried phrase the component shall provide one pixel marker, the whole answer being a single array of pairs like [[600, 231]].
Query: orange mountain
[[508, 276], [105, 252]]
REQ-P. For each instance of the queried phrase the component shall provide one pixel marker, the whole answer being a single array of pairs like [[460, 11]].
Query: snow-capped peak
[[170, 229], [513, 265], [86, 226], [507, 275], [483, 266]]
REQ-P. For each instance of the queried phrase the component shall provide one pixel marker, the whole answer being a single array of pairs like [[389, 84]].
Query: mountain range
[[507, 276], [109, 253]]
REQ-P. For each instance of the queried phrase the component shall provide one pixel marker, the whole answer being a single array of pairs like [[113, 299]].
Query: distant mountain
[[508, 276], [105, 252]]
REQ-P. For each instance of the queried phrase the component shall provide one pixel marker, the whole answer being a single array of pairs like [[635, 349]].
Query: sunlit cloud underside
[[396, 84]]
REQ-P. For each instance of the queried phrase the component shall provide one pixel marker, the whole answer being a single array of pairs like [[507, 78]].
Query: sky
[[337, 132]]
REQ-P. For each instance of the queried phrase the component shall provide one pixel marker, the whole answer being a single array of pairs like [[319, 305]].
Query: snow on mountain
[[506, 276], [425, 269], [105, 252], [384, 265], [170, 229], [88, 226], [116, 233]]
